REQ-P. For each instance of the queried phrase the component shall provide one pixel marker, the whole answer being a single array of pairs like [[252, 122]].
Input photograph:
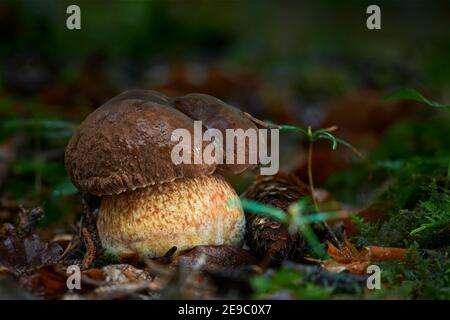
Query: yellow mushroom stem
[[184, 213]]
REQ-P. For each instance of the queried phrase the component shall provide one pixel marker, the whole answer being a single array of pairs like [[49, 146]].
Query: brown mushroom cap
[[216, 114], [126, 143]]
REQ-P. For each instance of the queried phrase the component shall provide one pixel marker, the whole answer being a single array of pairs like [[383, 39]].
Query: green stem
[[310, 175], [316, 205]]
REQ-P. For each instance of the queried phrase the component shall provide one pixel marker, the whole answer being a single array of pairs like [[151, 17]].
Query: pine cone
[[269, 239]]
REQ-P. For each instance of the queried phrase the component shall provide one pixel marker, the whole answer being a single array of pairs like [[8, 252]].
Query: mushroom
[[122, 152]]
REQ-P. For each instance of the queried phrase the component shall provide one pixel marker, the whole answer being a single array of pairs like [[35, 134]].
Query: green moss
[[425, 275], [407, 185], [410, 153], [106, 259], [288, 281], [367, 231], [437, 211], [426, 224]]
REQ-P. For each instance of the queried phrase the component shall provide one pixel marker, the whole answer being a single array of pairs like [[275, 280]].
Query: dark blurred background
[[298, 62]]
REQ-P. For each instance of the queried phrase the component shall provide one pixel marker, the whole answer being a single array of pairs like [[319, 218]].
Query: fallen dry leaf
[[124, 273], [31, 251], [106, 283], [349, 258], [21, 248]]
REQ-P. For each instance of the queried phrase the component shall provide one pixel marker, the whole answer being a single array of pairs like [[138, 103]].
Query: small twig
[[67, 250], [91, 250]]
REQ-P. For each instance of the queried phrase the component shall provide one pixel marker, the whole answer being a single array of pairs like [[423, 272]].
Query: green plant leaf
[[299, 222], [352, 148], [265, 210], [321, 216], [329, 136], [411, 94], [292, 128], [295, 219], [322, 133]]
